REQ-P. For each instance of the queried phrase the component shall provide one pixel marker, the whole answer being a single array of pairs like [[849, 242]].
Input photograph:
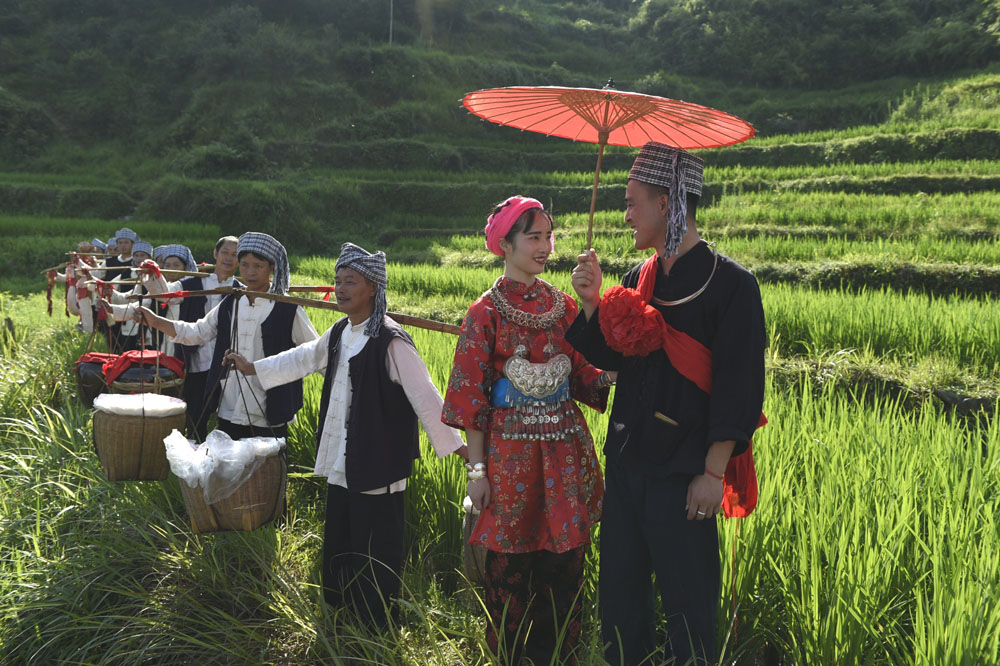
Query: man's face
[[646, 214], [355, 294], [255, 272], [225, 258], [124, 247]]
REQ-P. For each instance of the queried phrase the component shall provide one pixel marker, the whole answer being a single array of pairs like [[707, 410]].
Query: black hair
[[692, 198], [525, 222], [226, 239], [257, 256]]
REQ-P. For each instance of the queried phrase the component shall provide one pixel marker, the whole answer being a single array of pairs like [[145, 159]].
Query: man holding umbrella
[[689, 347]]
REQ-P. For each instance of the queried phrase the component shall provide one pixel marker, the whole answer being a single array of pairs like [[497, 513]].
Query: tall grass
[[873, 543]]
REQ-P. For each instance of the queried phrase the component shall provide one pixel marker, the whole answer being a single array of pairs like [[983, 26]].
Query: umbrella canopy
[[608, 116]]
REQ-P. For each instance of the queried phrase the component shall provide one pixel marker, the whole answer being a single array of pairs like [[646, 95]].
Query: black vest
[[282, 402], [113, 271], [192, 309], [382, 436]]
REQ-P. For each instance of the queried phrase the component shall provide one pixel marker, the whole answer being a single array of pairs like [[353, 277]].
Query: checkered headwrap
[[97, 242], [372, 266], [160, 254], [678, 171], [269, 248], [141, 246], [125, 232]]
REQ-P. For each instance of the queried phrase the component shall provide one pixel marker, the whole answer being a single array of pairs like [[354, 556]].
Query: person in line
[[256, 327], [197, 358], [682, 409], [375, 387], [118, 266], [533, 471], [120, 305]]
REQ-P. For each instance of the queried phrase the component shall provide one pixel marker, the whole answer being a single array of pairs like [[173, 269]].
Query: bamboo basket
[[257, 502], [131, 447], [473, 556]]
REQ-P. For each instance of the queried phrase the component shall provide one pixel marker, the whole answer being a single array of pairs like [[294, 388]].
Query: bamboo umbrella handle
[[603, 138]]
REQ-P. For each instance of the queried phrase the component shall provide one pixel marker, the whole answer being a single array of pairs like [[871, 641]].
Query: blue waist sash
[[504, 394]]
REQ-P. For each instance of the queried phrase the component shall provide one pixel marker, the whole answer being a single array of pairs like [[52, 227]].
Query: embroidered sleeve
[[583, 381], [466, 402]]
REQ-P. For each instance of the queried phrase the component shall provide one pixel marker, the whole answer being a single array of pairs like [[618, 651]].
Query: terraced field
[[874, 541]]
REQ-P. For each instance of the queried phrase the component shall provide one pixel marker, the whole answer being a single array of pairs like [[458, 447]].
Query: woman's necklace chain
[[522, 318]]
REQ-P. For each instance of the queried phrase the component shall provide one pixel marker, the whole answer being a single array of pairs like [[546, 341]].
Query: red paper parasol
[[608, 116]]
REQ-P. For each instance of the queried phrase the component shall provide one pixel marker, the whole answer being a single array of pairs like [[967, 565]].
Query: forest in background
[[187, 81]]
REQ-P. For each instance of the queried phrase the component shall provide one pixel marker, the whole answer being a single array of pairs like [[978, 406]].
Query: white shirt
[[243, 398], [202, 359], [405, 367]]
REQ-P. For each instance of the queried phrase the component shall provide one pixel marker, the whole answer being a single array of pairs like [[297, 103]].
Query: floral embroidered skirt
[[544, 495]]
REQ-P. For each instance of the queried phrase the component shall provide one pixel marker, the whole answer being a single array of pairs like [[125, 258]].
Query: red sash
[[694, 361]]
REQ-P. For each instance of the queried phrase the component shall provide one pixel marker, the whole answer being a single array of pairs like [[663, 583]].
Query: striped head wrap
[[678, 171], [160, 254], [372, 266], [141, 246], [269, 248], [125, 232], [98, 243]]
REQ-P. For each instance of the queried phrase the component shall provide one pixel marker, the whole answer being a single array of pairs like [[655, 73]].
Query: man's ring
[[701, 513]]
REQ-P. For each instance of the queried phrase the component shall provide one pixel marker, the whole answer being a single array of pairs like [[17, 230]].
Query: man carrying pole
[[375, 387], [256, 327]]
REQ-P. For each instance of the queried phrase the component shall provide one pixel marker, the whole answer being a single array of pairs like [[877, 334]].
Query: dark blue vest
[[192, 309], [282, 402], [382, 435]]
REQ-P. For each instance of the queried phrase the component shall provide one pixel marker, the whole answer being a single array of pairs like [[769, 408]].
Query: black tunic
[[728, 319]]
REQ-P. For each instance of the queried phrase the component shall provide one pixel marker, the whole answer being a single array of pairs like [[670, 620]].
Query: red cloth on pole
[[115, 366], [694, 361]]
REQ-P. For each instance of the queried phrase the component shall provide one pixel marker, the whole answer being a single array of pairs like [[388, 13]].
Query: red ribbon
[[694, 361], [151, 266], [174, 294]]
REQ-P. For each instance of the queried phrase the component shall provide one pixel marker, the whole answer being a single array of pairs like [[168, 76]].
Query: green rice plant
[[867, 544], [903, 327]]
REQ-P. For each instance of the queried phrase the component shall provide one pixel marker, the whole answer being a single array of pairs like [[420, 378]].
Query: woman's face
[[139, 257], [174, 264], [526, 256]]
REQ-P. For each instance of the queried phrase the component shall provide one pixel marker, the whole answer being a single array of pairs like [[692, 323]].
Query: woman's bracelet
[[604, 380], [476, 471], [714, 475]]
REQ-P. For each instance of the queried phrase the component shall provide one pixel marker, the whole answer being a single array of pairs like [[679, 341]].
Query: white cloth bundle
[[220, 465], [139, 404]]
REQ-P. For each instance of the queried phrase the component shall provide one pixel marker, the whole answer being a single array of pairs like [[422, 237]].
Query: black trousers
[[645, 530], [239, 431], [363, 552], [194, 396]]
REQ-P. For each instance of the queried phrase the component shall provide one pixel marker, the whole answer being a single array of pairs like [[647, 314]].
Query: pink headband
[[499, 223]]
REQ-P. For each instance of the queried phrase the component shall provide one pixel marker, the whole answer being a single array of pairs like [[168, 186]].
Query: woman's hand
[[479, 493]]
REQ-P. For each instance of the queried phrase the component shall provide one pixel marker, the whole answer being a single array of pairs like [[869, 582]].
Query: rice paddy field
[[875, 540]]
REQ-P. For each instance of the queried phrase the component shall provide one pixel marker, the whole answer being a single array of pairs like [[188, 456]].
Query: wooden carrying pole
[[406, 320]]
